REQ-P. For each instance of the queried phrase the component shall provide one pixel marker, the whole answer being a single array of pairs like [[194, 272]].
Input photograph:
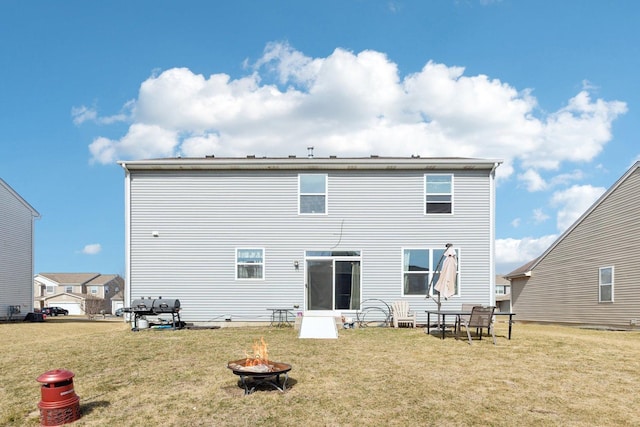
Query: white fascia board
[[368, 163]]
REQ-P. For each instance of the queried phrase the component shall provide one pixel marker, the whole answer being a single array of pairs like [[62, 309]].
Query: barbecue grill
[[154, 307]]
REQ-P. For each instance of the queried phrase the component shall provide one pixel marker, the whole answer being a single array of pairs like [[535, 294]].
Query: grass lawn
[[546, 375]]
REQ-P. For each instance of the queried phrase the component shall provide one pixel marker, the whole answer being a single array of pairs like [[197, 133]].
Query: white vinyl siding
[[202, 217], [16, 252]]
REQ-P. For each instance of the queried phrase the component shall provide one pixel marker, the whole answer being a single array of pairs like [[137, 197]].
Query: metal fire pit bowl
[[269, 374]]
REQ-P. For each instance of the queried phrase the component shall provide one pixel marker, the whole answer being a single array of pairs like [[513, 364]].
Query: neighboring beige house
[[71, 290], [590, 274], [117, 301], [17, 219]]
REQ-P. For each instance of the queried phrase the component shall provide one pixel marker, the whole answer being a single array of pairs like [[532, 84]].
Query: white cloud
[[573, 202], [539, 216], [353, 104], [512, 253], [92, 249], [82, 114], [516, 223], [532, 180], [141, 141]]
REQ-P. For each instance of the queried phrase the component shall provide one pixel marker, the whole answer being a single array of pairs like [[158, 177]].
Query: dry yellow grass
[[544, 376]]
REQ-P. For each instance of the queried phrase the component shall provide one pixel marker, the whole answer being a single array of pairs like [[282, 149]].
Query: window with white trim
[[250, 264], [605, 284], [312, 190], [421, 268], [438, 189], [68, 289]]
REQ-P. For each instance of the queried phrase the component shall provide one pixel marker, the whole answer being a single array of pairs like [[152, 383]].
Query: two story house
[[232, 237], [589, 275], [17, 219], [72, 290]]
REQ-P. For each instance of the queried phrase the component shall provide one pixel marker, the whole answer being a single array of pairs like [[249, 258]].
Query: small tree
[[93, 305]]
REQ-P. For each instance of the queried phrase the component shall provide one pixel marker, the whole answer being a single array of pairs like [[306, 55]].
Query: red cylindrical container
[[59, 404]]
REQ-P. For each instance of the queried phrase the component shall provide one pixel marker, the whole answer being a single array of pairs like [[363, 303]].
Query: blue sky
[[550, 87]]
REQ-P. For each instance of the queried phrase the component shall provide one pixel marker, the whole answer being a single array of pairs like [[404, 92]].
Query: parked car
[[119, 312], [55, 311]]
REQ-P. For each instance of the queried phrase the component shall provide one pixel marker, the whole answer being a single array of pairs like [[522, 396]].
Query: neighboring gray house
[[71, 290], [17, 219], [591, 274], [233, 237]]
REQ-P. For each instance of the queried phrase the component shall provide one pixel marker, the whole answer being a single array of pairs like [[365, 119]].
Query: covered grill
[[153, 307]]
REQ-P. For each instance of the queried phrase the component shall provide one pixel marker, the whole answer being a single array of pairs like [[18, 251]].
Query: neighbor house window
[[502, 290], [312, 188], [420, 269], [68, 289], [250, 264], [606, 284], [51, 289], [438, 193], [93, 290]]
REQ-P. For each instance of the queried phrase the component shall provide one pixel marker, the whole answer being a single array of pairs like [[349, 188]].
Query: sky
[[549, 87]]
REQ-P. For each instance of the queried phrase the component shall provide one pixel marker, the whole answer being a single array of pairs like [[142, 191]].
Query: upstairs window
[[68, 289], [606, 284], [250, 264], [438, 194], [312, 188]]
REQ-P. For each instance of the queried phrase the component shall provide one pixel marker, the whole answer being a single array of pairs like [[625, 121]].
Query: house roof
[[103, 279], [500, 280], [70, 278], [311, 163], [75, 295], [34, 212], [119, 296], [525, 270]]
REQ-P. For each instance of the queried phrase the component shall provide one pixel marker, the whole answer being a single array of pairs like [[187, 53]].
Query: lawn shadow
[[266, 386], [87, 408]]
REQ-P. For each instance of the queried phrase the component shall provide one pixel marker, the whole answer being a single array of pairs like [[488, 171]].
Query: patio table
[[280, 316], [457, 313]]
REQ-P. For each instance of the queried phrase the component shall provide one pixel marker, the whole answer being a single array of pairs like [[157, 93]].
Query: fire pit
[[253, 376], [258, 370]]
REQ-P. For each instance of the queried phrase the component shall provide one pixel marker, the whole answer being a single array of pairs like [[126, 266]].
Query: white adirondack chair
[[402, 314]]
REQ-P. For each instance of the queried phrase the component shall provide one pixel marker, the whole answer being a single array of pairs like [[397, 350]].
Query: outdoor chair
[[401, 314], [465, 307], [481, 317]]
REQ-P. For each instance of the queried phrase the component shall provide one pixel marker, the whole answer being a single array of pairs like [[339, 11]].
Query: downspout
[[492, 235], [127, 236]]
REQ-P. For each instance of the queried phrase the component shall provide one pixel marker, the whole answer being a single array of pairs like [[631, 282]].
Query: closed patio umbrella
[[446, 284]]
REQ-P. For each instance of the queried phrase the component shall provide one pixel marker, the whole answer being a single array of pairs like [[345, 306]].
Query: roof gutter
[[293, 163]]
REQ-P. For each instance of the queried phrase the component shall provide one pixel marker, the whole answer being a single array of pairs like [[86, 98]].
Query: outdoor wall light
[[296, 264], [155, 233]]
